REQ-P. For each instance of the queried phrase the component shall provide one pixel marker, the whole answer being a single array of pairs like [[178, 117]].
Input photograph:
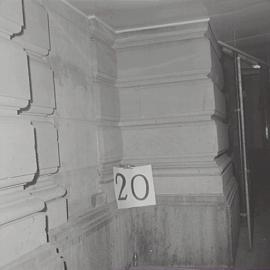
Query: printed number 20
[[121, 197]]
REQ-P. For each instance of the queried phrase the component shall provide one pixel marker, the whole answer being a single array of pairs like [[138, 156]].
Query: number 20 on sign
[[134, 186]]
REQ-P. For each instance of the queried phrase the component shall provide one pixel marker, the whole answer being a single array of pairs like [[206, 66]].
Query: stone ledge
[[163, 78], [79, 227], [18, 205], [43, 258], [185, 119]]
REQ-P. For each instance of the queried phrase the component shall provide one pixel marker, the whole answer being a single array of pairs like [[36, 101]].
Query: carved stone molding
[[190, 59], [162, 34], [17, 157], [74, 230], [167, 61], [43, 258], [35, 36], [11, 17], [42, 88], [87, 239], [105, 170], [107, 106], [103, 55], [101, 31], [20, 213], [110, 143], [54, 197], [48, 163], [205, 138], [17, 205], [47, 147], [184, 119], [196, 165], [14, 85], [162, 79]]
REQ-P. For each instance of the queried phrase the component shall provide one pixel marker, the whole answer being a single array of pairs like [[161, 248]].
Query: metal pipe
[[245, 56], [244, 149]]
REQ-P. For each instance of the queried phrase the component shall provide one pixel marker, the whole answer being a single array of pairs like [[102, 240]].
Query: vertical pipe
[[243, 147], [238, 113]]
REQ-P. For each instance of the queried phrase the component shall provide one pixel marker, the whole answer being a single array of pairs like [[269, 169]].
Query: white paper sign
[[134, 186]]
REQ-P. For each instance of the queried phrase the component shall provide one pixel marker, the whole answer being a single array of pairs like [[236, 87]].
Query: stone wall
[[32, 201], [59, 135], [77, 98]]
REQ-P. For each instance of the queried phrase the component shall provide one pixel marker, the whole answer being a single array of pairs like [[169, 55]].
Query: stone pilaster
[[107, 104], [170, 84]]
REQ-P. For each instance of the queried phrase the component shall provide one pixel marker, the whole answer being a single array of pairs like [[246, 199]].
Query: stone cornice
[[162, 33], [125, 31], [149, 34], [158, 26], [178, 30], [101, 31]]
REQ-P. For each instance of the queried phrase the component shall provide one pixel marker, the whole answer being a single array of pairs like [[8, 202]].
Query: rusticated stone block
[[14, 84], [11, 17], [20, 237], [47, 147], [35, 35], [42, 87], [17, 156]]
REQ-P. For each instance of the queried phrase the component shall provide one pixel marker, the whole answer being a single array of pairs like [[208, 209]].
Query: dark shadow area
[[253, 79], [256, 93], [259, 256]]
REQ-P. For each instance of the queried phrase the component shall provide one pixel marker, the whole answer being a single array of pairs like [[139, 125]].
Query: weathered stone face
[[76, 99]]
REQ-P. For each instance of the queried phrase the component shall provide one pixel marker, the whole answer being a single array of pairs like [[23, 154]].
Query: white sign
[[133, 186]]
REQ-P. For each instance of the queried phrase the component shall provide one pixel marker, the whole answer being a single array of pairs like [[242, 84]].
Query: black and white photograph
[[134, 134]]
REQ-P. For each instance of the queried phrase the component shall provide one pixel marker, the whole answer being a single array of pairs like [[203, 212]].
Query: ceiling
[[243, 23]]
